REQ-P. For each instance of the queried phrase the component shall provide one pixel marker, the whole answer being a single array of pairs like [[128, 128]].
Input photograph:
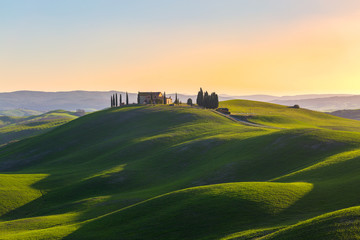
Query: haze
[[276, 47]]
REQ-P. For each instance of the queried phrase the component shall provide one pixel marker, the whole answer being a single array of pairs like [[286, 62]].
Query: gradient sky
[[238, 47]]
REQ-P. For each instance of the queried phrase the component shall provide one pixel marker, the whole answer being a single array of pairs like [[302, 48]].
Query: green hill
[[285, 117], [16, 128], [162, 172], [19, 113]]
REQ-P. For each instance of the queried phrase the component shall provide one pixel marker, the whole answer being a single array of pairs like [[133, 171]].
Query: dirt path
[[244, 122]]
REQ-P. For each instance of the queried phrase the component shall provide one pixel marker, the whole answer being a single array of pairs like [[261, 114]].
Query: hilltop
[[11, 102], [162, 172]]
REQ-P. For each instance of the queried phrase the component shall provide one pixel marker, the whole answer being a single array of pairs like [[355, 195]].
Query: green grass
[[16, 190], [17, 128], [19, 113], [282, 116], [342, 224], [162, 172], [192, 213]]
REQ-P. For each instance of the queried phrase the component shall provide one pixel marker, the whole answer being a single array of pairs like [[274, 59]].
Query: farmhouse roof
[[149, 93]]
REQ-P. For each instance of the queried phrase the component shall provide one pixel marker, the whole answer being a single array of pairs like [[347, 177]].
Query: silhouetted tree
[[127, 98], [200, 98], [214, 101], [206, 102], [189, 102], [116, 100], [138, 98], [164, 98], [120, 99], [176, 99], [111, 101]]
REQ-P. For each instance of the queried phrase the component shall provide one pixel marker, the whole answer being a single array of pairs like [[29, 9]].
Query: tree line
[[117, 102], [207, 101]]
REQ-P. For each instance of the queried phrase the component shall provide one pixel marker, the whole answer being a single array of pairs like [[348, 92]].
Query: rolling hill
[[17, 128], [162, 172], [19, 113], [330, 103], [351, 114]]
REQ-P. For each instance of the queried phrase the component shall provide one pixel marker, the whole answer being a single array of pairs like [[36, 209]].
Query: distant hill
[[47, 101], [325, 104], [351, 114], [19, 112], [97, 100], [17, 128]]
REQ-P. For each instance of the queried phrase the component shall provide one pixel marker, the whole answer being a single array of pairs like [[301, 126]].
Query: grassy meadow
[[14, 128], [176, 172]]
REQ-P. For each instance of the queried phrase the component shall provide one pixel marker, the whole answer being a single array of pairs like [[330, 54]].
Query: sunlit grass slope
[[19, 113], [285, 117], [16, 190], [197, 213], [162, 172], [16, 128], [342, 224]]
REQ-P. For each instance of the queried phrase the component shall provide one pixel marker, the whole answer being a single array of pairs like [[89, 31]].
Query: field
[[14, 128], [162, 172]]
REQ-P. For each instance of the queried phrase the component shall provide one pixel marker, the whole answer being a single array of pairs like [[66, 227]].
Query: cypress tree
[[111, 102], [138, 98], [127, 99], [211, 100], [120, 99], [164, 98], [206, 100], [200, 98], [116, 100], [216, 101]]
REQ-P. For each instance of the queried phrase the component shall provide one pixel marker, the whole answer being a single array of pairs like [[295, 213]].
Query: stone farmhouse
[[153, 98]]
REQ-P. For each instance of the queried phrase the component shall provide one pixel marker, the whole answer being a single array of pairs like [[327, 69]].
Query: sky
[[235, 47]]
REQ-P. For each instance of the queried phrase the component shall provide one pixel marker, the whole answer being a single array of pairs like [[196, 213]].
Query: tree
[[120, 99], [176, 99], [151, 98], [216, 101], [206, 100], [116, 100], [111, 101], [189, 102], [127, 99], [138, 98], [164, 98], [200, 98]]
